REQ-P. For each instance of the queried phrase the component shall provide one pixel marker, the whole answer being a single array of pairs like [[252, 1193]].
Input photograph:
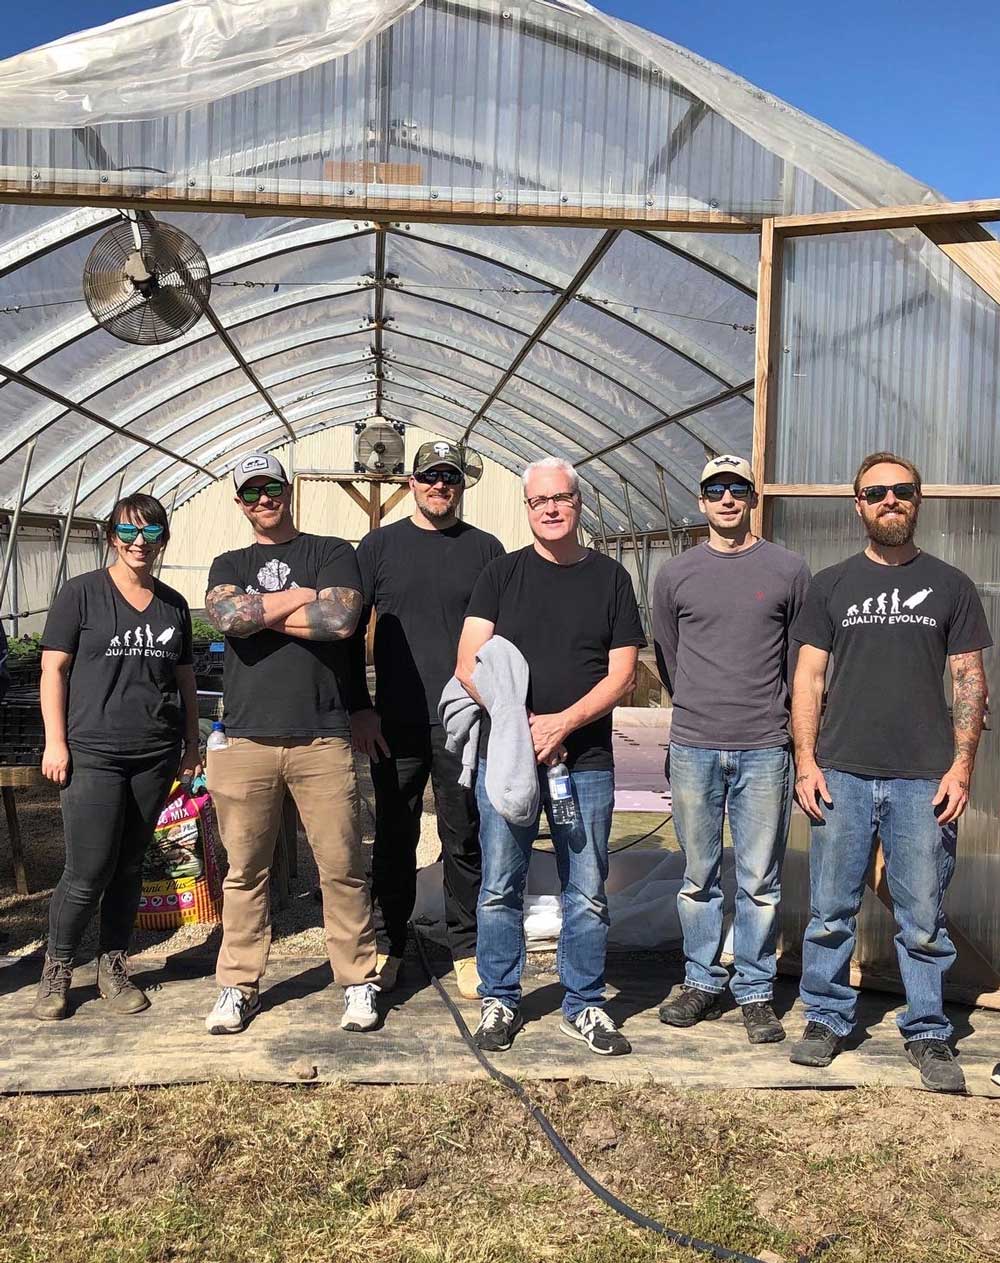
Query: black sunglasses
[[274, 490], [714, 491], [876, 493], [450, 477]]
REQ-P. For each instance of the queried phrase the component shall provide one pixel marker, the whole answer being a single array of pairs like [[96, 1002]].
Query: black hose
[[557, 1142]]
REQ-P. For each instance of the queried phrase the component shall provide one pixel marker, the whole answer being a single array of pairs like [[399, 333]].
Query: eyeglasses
[[450, 477], [714, 491], [273, 490], [128, 533], [535, 503], [876, 493]]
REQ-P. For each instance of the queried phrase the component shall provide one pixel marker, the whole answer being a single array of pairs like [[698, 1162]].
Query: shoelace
[[118, 970], [230, 1000], [938, 1050], [363, 996], [594, 1017], [494, 1015], [54, 979]]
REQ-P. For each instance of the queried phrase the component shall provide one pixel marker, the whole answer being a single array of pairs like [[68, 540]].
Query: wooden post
[[766, 368]]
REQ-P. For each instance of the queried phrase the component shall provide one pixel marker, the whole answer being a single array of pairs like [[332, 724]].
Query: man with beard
[[887, 763], [418, 575]]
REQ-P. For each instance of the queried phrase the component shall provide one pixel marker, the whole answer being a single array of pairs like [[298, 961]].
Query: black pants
[[110, 808], [399, 780]]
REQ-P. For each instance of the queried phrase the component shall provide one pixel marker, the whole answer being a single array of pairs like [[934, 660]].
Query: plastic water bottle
[[217, 737], [561, 795]]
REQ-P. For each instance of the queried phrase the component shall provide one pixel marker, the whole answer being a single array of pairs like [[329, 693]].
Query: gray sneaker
[[939, 1071], [360, 1009], [52, 997], [116, 987], [233, 1012], [817, 1047]]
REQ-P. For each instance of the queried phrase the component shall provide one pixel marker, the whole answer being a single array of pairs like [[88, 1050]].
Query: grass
[[222, 1172]]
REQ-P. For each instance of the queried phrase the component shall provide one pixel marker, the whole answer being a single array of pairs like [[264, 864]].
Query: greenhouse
[[522, 225]]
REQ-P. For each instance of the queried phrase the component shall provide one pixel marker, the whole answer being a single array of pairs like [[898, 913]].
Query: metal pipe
[[170, 518], [635, 551], [666, 510], [600, 518], [107, 543], [16, 519], [67, 527], [15, 595]]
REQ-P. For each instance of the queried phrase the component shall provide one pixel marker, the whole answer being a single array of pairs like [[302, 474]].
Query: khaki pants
[[247, 781]]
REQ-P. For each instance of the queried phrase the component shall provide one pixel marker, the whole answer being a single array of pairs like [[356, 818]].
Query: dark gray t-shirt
[[720, 626], [889, 630], [285, 686], [123, 693]]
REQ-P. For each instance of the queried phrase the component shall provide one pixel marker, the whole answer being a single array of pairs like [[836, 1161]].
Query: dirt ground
[[222, 1172]]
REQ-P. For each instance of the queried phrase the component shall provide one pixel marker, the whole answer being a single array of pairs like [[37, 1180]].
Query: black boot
[[688, 1006]]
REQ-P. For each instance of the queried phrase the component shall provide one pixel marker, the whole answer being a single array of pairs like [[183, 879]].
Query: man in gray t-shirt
[[721, 614]]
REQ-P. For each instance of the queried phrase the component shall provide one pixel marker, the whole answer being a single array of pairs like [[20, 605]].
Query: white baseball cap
[[256, 465], [719, 465]]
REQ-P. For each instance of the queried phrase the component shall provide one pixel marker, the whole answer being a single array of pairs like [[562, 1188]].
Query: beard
[[435, 510], [890, 532]]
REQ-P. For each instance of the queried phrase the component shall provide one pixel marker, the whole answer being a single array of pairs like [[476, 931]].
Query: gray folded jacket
[[501, 680]]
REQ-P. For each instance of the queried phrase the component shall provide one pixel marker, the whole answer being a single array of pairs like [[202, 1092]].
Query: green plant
[[25, 646], [202, 630]]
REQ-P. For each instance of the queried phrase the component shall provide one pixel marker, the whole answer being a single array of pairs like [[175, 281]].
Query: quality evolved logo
[[888, 608], [142, 643]]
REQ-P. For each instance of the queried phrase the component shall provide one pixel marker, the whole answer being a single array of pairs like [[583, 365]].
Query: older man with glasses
[[721, 618], [886, 761], [572, 614], [287, 605]]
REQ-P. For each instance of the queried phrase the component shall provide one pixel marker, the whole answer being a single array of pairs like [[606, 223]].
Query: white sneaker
[[995, 1076], [233, 1011], [360, 1013]]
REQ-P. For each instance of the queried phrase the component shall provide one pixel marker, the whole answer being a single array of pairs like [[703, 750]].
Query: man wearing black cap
[[287, 606], [721, 617], [418, 575]]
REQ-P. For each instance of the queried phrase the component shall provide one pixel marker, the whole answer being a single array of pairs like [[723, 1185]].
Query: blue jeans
[[582, 864], [756, 787], [919, 861]]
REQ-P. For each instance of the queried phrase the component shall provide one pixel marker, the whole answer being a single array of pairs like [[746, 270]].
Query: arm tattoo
[[968, 703], [333, 615], [235, 612]]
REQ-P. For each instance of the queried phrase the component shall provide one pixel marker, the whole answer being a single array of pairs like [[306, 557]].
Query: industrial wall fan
[[379, 447], [146, 282]]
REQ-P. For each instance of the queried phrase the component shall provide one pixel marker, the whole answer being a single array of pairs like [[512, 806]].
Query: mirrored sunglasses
[[273, 490], [128, 533], [714, 491]]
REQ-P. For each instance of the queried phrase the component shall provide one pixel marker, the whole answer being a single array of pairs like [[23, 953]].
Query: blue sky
[[904, 77]]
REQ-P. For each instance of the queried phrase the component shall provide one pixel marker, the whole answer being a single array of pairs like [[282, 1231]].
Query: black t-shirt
[[123, 692], [889, 630], [565, 620], [419, 582], [283, 686]]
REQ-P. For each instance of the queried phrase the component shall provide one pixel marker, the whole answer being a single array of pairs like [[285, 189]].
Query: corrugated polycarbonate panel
[[886, 346], [965, 533]]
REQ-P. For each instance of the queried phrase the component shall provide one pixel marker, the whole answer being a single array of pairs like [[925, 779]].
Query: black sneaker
[[939, 1071], [762, 1023], [597, 1031], [817, 1047], [497, 1027], [690, 1006]]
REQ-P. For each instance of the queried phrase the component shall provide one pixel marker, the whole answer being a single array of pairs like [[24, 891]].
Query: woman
[[117, 693]]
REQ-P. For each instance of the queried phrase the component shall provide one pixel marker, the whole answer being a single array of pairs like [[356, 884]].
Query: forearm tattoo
[[332, 616], [968, 705], [235, 612]]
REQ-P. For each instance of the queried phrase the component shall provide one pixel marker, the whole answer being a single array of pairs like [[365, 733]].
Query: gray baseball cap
[[257, 465]]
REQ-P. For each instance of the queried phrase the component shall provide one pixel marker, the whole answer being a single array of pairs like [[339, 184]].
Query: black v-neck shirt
[[123, 693]]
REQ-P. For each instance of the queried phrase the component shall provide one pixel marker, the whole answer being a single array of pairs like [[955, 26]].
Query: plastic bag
[[181, 881]]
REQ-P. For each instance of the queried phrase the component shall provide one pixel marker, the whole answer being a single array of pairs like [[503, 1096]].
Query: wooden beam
[[973, 249], [399, 494], [929, 491], [888, 217], [324, 204], [363, 503], [766, 361]]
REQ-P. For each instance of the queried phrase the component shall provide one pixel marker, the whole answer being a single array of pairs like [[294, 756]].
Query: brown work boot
[[53, 991], [115, 986], [467, 976]]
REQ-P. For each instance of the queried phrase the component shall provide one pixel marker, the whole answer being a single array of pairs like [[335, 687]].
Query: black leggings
[[110, 807]]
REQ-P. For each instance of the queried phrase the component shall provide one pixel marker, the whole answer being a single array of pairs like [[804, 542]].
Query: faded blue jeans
[[919, 862], [582, 865], [756, 787]]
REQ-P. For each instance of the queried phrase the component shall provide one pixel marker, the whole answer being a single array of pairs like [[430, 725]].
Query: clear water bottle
[[217, 737], [563, 804]]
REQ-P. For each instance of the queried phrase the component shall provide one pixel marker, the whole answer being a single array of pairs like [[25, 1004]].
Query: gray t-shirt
[[720, 626]]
